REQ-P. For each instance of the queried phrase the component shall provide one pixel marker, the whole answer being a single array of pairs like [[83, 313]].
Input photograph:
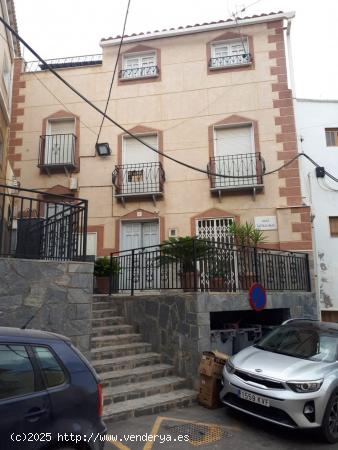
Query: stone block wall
[[178, 324], [58, 293]]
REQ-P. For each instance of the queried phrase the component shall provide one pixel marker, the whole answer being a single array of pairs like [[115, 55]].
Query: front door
[[139, 269], [221, 263]]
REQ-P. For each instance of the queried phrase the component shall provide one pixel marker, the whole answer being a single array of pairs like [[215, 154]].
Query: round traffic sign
[[257, 297]]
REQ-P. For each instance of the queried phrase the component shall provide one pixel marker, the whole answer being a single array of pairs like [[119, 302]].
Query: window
[[333, 226], [6, 74], [60, 143], [331, 135], [51, 369], [16, 371], [230, 53], [139, 65]]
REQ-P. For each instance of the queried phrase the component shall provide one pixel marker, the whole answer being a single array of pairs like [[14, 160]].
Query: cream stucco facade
[[182, 105]]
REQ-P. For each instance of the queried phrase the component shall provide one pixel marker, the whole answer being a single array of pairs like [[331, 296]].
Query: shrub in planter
[[184, 251], [102, 274]]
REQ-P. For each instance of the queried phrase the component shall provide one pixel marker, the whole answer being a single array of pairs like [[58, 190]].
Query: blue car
[[50, 397]]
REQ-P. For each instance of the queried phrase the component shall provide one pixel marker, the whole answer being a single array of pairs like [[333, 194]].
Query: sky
[[75, 27]]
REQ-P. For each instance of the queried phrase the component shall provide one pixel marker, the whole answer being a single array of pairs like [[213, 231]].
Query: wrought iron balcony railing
[[243, 171], [138, 179], [64, 63], [139, 72], [57, 151], [228, 61]]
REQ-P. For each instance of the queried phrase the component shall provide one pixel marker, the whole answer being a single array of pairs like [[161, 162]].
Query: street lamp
[[102, 149]]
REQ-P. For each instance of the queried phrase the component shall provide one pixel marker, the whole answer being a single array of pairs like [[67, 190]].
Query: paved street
[[224, 430]]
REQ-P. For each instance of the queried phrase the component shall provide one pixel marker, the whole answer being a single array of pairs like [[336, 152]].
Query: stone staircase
[[134, 379]]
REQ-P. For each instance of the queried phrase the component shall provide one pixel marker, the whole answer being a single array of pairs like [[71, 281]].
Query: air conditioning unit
[[73, 184]]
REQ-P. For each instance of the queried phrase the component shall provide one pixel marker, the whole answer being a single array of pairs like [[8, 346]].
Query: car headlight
[[305, 386], [229, 366]]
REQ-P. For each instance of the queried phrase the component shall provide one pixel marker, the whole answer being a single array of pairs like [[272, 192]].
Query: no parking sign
[[257, 297]]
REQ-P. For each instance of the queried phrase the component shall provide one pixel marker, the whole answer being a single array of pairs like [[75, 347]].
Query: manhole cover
[[199, 434]]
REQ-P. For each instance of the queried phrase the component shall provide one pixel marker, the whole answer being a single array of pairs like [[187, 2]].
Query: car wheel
[[329, 428]]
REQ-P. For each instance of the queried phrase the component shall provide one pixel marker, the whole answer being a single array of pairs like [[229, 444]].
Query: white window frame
[[229, 50], [139, 65], [7, 74]]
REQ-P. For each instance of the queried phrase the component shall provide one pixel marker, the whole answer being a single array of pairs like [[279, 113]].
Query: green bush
[[183, 250], [102, 267]]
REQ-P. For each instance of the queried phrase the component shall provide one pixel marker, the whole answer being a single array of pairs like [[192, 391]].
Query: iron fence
[[40, 225], [64, 63], [139, 72], [250, 166], [208, 266], [138, 179], [57, 150], [232, 60]]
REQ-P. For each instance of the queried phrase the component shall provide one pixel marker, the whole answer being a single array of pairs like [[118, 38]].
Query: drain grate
[[199, 434]]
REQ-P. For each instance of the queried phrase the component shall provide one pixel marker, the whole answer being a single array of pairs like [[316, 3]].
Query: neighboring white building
[[317, 128]]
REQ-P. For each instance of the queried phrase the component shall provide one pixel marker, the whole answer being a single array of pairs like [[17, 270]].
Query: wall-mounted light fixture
[[102, 149]]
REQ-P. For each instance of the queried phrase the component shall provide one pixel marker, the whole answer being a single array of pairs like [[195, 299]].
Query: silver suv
[[290, 377]]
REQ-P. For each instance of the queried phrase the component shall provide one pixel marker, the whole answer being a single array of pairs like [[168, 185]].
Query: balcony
[[243, 59], [139, 72], [139, 180], [239, 172], [57, 153]]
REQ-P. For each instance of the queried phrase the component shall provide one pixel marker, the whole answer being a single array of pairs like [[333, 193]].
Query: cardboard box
[[212, 364], [209, 391]]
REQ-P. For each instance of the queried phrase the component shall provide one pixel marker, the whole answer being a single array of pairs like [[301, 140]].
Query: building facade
[[317, 125], [215, 96], [9, 49]]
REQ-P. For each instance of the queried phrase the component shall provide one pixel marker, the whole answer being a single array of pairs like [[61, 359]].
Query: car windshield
[[307, 343]]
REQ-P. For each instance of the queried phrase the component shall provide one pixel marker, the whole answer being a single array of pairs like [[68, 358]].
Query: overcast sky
[[74, 27]]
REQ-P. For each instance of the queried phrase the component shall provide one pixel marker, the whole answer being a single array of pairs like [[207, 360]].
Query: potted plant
[[185, 252], [247, 239], [102, 274]]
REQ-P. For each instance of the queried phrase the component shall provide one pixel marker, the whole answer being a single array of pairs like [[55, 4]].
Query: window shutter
[[233, 141], [135, 153]]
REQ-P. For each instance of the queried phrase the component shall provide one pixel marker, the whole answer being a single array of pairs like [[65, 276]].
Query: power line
[[137, 138], [115, 68]]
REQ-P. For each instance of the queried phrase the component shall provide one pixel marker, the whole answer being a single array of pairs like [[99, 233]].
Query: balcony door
[[235, 156], [59, 142], [139, 236], [140, 168]]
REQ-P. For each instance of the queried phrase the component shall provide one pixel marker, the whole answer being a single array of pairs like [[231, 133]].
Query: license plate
[[254, 398]]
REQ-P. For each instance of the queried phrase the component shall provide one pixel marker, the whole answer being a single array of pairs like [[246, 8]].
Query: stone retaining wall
[[59, 293], [178, 324]]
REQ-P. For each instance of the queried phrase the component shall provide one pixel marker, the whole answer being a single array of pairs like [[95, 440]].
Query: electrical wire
[[115, 68], [137, 138]]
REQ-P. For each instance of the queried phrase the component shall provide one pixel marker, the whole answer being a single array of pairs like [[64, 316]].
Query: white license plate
[[254, 398]]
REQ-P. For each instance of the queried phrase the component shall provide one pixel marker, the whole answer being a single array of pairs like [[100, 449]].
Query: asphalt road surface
[[198, 427]]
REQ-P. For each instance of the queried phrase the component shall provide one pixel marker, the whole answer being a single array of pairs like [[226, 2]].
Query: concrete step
[[108, 320], [112, 330], [116, 351], [131, 391], [149, 405], [136, 375], [103, 313], [126, 362], [98, 306], [117, 339]]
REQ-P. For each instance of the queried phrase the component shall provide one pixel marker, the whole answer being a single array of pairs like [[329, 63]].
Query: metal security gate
[[143, 269], [224, 265]]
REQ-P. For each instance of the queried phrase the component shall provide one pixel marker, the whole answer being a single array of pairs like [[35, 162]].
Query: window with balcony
[[139, 65], [230, 53], [331, 135], [57, 146], [235, 159], [141, 173]]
